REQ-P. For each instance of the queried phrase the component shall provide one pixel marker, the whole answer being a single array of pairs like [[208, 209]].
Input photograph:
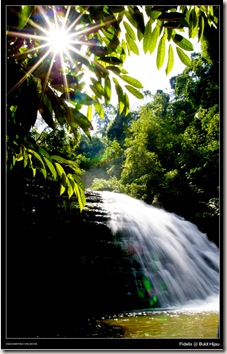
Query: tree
[[47, 78]]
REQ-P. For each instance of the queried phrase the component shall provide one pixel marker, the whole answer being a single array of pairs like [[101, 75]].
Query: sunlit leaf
[[37, 156], [50, 166], [76, 118], [59, 169], [126, 103], [81, 98], [170, 60], [129, 30], [154, 38], [62, 189], [107, 90], [24, 16], [201, 27], [99, 109], [183, 57], [130, 80], [182, 42], [70, 184], [132, 44], [161, 53], [135, 92], [89, 113], [147, 37]]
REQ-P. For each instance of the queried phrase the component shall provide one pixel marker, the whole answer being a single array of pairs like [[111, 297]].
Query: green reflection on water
[[163, 325]]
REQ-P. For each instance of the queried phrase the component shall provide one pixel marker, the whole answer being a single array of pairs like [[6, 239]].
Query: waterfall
[[179, 263]]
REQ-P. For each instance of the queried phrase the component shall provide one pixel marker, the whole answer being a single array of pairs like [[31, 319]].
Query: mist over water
[[180, 264]]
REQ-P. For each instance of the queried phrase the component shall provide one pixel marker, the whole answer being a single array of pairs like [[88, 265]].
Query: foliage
[[171, 149], [40, 79]]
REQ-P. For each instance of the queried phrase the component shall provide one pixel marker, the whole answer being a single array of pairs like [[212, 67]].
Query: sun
[[58, 40]]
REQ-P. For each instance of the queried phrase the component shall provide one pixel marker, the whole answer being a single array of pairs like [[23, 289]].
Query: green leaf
[[79, 182], [62, 188], [96, 91], [147, 36], [132, 44], [183, 57], [126, 103], [161, 53], [81, 98], [80, 196], [154, 38], [182, 42], [129, 30], [37, 156], [130, 80], [201, 27], [135, 92], [70, 184], [99, 109], [115, 69], [43, 152], [50, 166], [76, 118], [193, 18], [89, 113], [60, 159], [107, 90], [44, 172], [24, 16], [170, 60], [60, 170]]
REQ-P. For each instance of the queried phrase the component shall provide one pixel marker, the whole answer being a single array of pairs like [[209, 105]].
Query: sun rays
[[59, 40]]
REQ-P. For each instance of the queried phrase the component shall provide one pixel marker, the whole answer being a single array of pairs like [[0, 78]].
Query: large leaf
[[132, 44], [183, 57], [130, 80], [154, 38], [129, 30], [135, 92], [24, 16], [182, 42], [170, 60], [81, 98], [161, 53], [99, 109], [50, 166], [76, 118], [147, 36], [107, 90]]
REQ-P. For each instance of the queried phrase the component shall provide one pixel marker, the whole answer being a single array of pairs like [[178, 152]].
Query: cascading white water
[[179, 262]]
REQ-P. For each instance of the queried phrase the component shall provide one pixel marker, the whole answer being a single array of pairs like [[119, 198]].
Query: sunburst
[[59, 39]]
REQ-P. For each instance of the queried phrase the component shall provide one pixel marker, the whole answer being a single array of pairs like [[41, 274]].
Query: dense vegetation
[[167, 152], [44, 78]]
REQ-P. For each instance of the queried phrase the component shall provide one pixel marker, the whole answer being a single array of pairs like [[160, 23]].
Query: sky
[[143, 68]]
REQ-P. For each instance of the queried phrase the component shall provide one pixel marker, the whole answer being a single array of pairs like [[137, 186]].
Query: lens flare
[[58, 40]]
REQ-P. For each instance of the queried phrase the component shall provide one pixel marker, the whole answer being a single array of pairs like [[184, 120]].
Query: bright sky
[[143, 68]]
